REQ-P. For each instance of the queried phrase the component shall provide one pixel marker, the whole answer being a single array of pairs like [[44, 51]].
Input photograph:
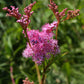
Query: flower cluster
[[26, 81], [72, 13], [59, 16], [13, 12], [24, 21], [42, 43]]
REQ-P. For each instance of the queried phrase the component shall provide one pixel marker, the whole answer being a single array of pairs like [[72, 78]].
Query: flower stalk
[[38, 73], [59, 15], [11, 75]]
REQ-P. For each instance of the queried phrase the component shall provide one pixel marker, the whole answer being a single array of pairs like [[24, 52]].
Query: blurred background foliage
[[69, 69]]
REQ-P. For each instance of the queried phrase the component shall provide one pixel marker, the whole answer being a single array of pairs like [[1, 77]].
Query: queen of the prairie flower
[[42, 43]]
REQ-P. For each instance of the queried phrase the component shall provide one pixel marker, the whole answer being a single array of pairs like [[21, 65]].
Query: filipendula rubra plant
[[40, 45]]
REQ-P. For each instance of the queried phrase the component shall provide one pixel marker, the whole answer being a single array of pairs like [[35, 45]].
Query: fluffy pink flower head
[[42, 43], [48, 28]]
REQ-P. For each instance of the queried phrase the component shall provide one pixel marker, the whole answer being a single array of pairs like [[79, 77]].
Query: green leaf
[[66, 68], [3, 64], [82, 44], [69, 5], [18, 49], [9, 42]]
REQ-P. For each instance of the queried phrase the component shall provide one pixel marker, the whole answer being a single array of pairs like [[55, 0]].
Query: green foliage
[[69, 65]]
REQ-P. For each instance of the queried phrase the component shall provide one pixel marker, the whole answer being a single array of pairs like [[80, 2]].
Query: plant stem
[[43, 78], [38, 73], [11, 75], [57, 29], [44, 71], [37, 69], [27, 37], [50, 1]]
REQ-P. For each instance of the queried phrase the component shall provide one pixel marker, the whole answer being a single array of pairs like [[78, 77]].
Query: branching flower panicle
[[24, 21], [59, 15]]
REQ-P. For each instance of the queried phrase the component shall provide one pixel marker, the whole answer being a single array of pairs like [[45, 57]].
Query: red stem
[[11, 74], [27, 37], [57, 29]]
